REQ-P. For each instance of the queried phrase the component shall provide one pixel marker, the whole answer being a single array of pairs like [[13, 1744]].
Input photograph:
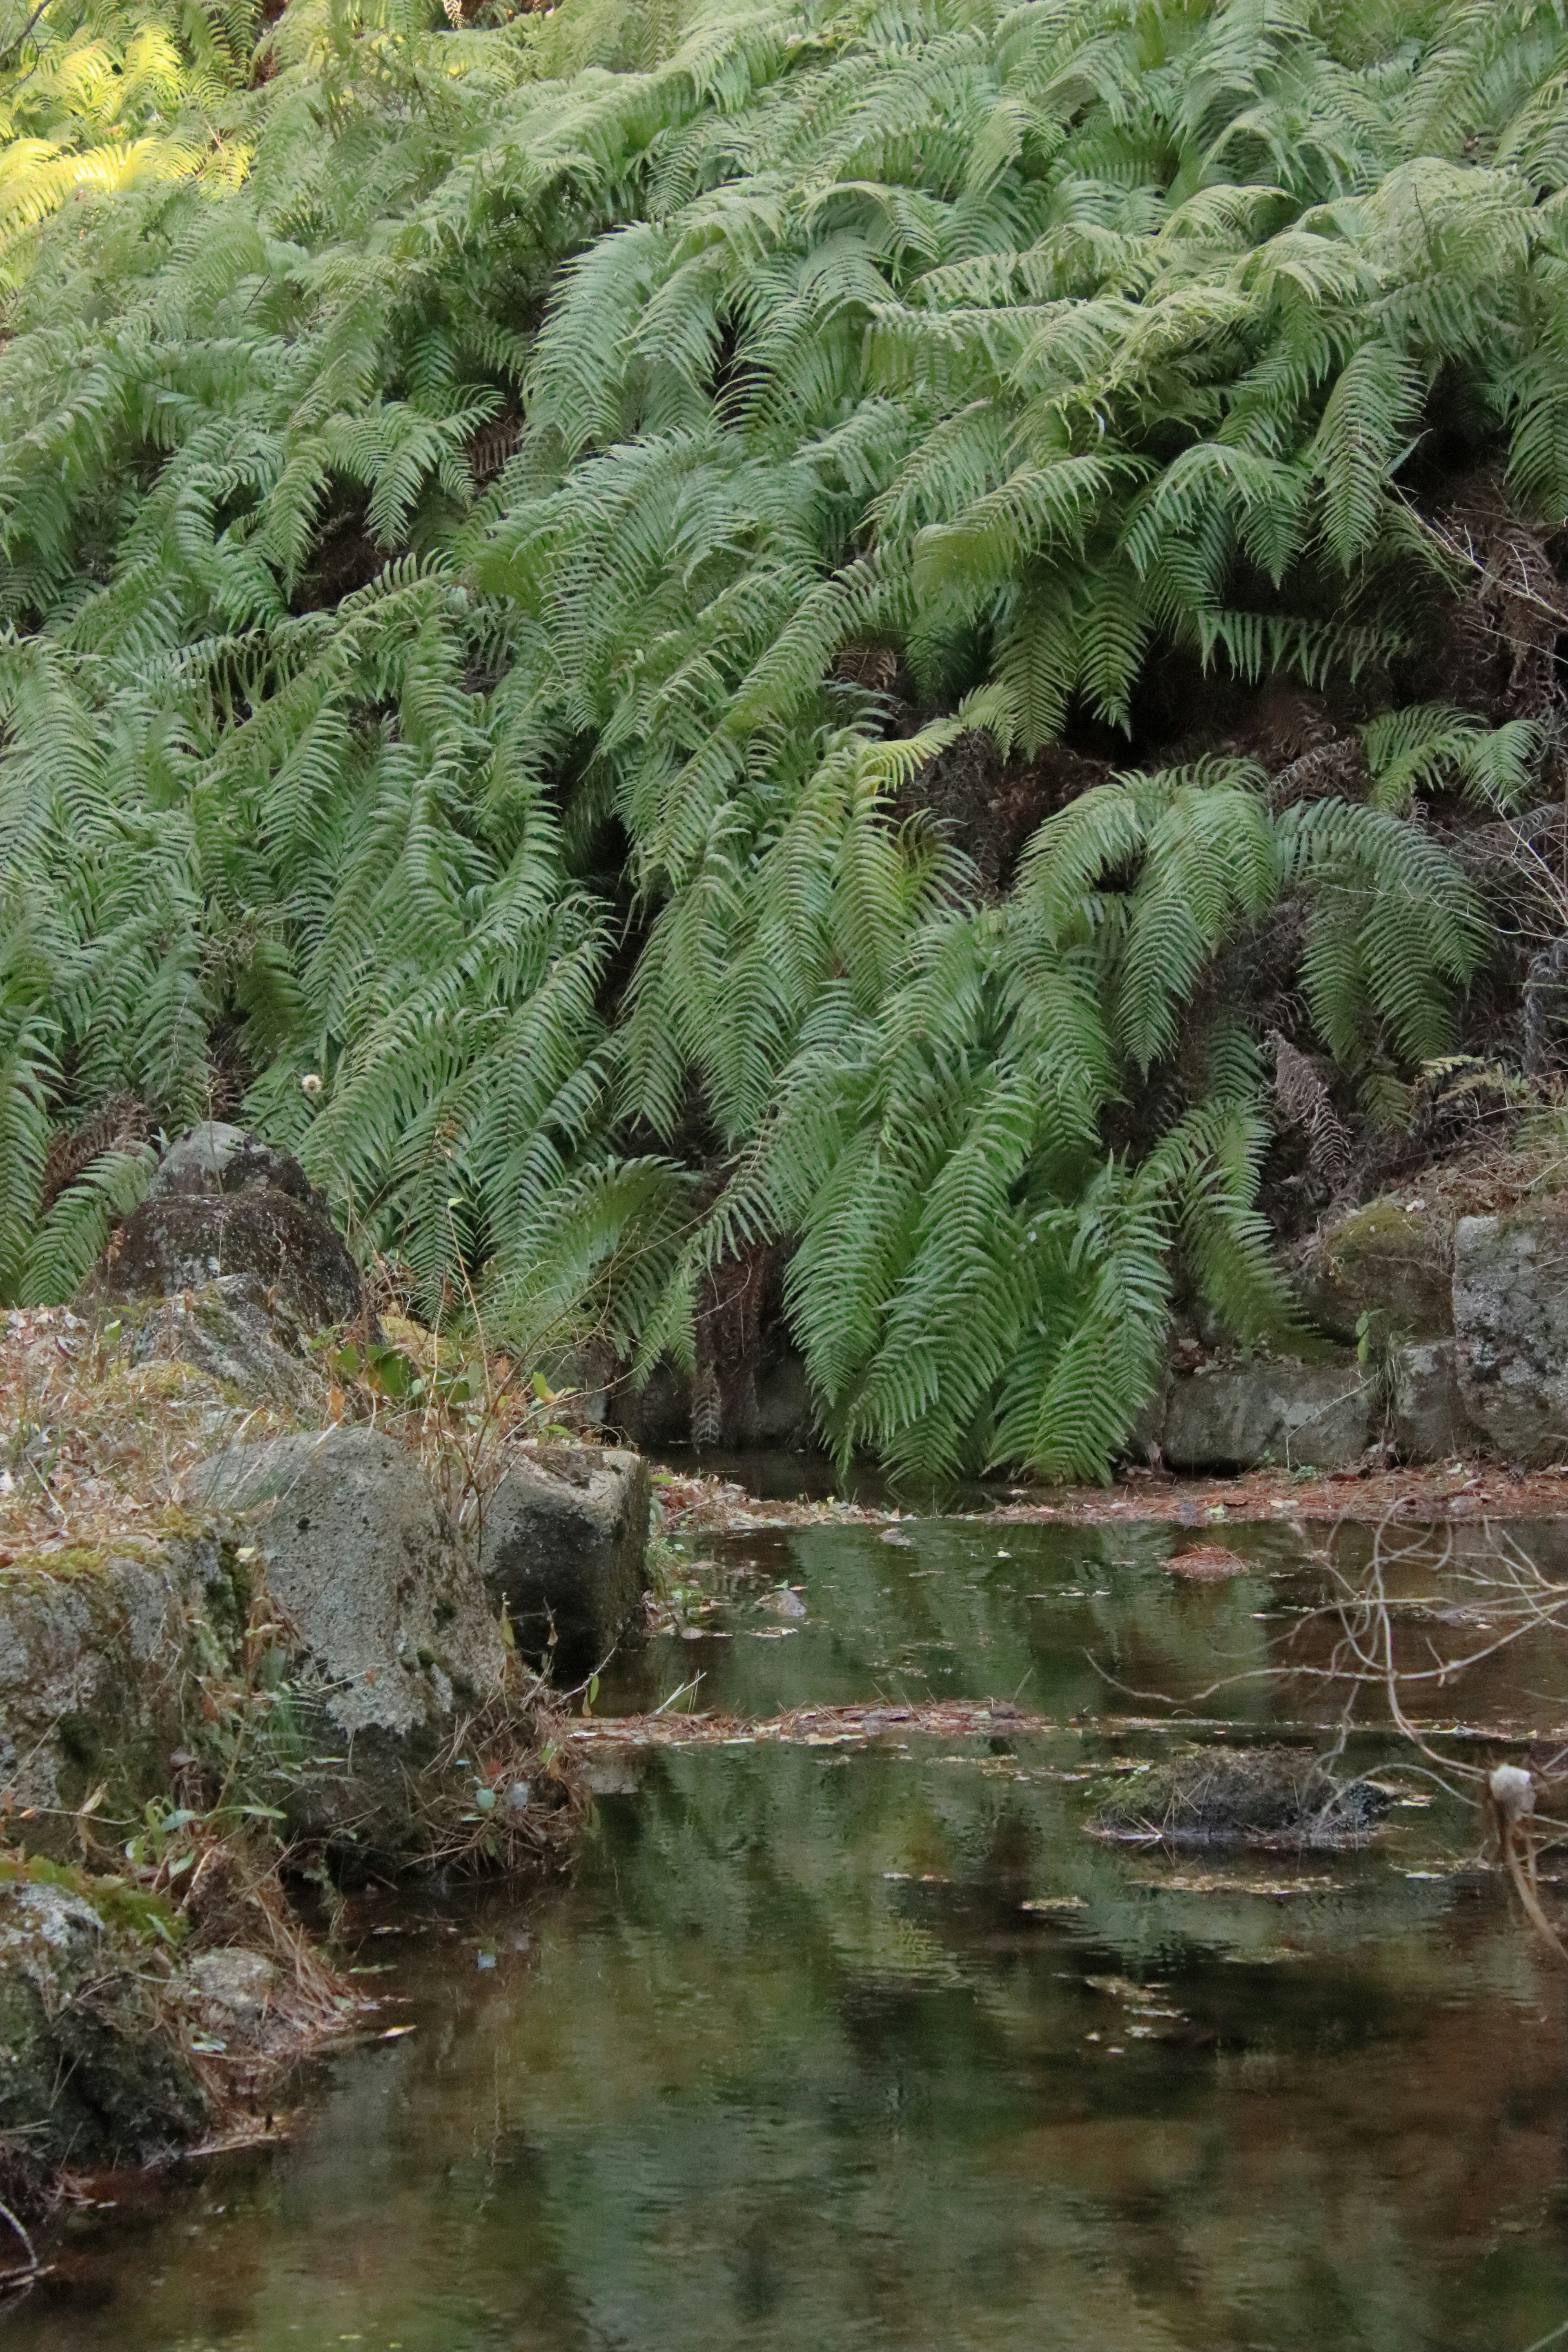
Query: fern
[[70, 1239], [460, 484]]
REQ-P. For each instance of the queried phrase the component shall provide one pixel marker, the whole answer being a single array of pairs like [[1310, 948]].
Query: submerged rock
[[562, 1543], [222, 1202], [1208, 1563], [1259, 1796], [393, 1641], [1510, 1323]]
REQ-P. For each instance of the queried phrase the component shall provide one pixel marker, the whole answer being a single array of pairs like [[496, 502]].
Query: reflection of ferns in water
[[705, 384]]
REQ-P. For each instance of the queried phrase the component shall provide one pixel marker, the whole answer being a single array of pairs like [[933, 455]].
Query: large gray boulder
[[392, 1639], [222, 1202], [95, 1671], [562, 1543], [1274, 1411], [1510, 1328]]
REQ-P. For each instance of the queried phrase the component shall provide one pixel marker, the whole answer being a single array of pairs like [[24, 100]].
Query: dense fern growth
[[100, 97], [499, 532]]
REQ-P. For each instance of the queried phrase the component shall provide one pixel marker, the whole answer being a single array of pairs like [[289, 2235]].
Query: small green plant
[[1380, 1350]]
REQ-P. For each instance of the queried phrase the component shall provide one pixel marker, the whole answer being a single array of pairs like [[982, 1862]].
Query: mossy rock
[[1391, 1264], [222, 1203], [92, 2069], [98, 1654]]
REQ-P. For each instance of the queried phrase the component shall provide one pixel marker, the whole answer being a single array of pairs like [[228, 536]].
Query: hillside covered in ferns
[[902, 649]]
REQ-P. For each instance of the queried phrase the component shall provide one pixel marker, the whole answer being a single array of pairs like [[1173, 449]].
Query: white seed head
[[311, 1082], [1514, 1791]]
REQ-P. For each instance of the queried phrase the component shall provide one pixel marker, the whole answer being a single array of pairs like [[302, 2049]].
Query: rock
[[658, 1414], [96, 1655], [1144, 1441], [783, 1415], [231, 1330], [1257, 1795], [222, 1202], [773, 1407], [562, 1542], [234, 1992], [1511, 1327], [1428, 1421], [393, 1640], [1279, 1410], [86, 2074], [216, 1157], [580, 1380], [1207, 1564], [1391, 1262]]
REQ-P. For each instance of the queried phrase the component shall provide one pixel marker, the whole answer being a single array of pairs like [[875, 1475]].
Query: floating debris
[[1217, 1882], [809, 1725], [1259, 1796]]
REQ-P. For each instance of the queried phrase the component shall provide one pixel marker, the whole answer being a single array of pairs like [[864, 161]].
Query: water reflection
[[789, 2066]]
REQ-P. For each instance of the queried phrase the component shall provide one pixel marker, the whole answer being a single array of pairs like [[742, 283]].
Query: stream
[[788, 2064]]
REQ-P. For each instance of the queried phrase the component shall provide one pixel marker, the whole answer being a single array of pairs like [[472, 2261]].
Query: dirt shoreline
[[1461, 1490]]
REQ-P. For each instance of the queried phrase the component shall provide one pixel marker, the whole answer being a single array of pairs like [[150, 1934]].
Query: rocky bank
[[279, 1587]]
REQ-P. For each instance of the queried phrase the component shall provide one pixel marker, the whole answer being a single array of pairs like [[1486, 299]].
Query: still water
[[788, 2065]]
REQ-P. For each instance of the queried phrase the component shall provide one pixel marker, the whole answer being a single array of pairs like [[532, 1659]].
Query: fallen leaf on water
[[1048, 1902]]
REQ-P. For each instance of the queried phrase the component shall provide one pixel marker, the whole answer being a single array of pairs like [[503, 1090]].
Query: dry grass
[[506, 1796], [91, 1444], [1511, 1157]]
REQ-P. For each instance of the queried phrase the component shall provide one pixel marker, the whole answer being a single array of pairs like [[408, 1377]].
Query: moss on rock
[[1390, 1263]]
